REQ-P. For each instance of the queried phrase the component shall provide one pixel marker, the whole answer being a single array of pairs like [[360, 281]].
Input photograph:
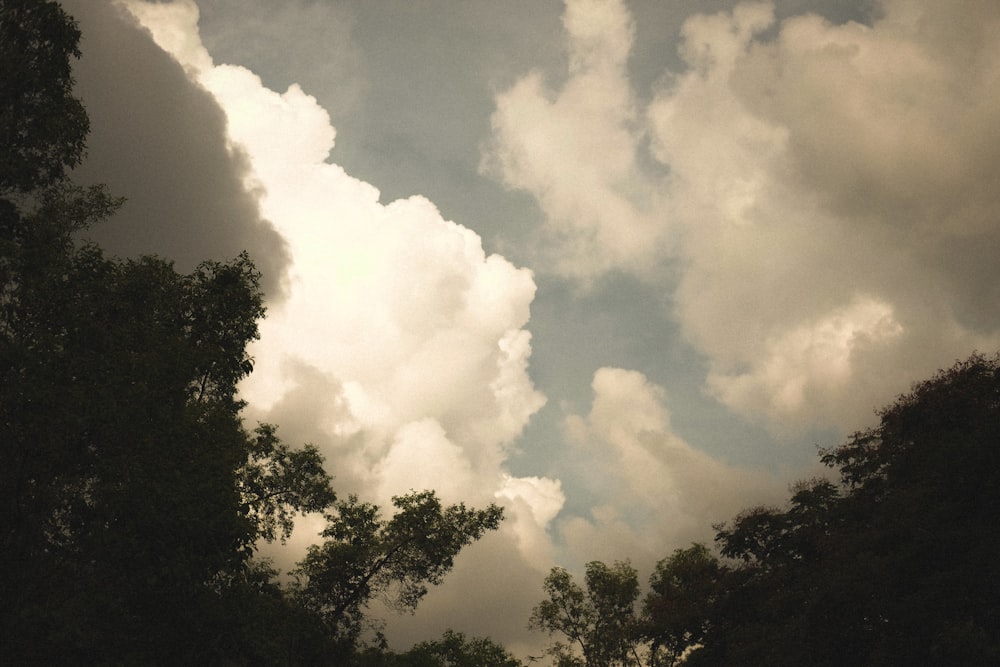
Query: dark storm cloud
[[160, 141]]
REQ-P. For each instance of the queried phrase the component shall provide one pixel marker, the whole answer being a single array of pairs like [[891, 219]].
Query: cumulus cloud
[[826, 193], [781, 383], [656, 492], [538, 500], [822, 267], [401, 348], [318, 46], [574, 149]]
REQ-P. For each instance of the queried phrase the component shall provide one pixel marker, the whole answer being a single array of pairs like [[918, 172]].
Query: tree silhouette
[[896, 564]]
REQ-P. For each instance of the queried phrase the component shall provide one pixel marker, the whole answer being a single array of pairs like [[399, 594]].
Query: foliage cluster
[[891, 561]]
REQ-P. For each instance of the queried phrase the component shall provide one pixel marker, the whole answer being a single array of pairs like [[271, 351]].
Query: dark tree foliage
[[42, 126], [676, 611], [453, 649], [276, 482], [896, 565], [132, 493], [365, 555], [597, 624]]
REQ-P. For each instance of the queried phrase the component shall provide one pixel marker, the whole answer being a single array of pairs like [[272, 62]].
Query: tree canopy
[[892, 560], [598, 624], [896, 563], [453, 649], [43, 127], [364, 555]]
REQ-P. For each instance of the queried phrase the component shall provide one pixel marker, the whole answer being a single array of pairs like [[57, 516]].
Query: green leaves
[[365, 555], [599, 623], [277, 482]]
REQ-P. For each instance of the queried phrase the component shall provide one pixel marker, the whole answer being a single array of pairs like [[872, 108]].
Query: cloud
[[655, 492], [575, 150], [536, 502], [400, 349], [822, 273], [489, 593], [185, 185], [824, 194], [812, 359]]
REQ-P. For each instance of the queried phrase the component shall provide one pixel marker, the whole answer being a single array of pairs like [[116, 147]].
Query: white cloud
[[659, 492], [574, 149], [422, 451], [811, 364], [538, 500], [821, 273], [175, 29], [400, 343], [827, 198]]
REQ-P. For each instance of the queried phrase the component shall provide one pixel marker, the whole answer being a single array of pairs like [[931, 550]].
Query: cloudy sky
[[620, 266]]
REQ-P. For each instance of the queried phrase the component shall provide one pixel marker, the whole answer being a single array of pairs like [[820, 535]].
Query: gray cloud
[[160, 141]]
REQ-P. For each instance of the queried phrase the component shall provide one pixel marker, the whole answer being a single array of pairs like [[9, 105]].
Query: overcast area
[[619, 266]]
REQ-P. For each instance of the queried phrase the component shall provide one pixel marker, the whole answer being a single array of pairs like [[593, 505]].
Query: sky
[[621, 267]]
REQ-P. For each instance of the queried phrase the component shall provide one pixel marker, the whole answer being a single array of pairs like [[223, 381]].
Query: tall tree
[[895, 565], [43, 127], [132, 498], [132, 490], [677, 609], [364, 555], [599, 624]]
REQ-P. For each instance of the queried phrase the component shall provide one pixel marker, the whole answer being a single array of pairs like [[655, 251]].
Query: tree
[[276, 482], [926, 484], [42, 126], [130, 479], [131, 496], [365, 555], [677, 609], [455, 650], [895, 565], [599, 623]]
